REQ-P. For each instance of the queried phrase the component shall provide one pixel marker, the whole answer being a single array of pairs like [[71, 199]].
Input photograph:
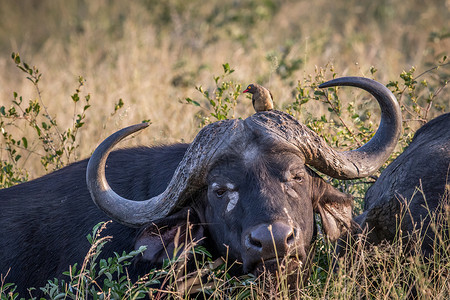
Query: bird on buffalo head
[[262, 98]]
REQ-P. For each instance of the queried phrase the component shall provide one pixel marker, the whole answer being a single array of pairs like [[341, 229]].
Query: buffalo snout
[[266, 242]]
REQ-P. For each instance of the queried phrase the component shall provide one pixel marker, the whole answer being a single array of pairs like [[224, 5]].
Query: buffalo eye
[[298, 177], [294, 175], [220, 192]]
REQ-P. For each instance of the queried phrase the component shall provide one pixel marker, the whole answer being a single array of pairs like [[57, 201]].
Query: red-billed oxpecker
[[262, 98]]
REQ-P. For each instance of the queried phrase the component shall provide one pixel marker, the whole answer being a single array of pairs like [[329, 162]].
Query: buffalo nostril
[[290, 238], [254, 242], [266, 238]]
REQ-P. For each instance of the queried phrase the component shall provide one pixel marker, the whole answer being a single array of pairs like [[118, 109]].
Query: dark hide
[[413, 185], [255, 197], [44, 222]]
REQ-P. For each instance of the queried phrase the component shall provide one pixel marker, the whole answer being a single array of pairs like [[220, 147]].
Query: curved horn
[[188, 177], [352, 164], [371, 156]]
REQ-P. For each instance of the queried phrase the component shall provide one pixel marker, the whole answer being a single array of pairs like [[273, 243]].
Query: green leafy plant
[[222, 100], [99, 278], [29, 130], [417, 95], [349, 124], [54, 146]]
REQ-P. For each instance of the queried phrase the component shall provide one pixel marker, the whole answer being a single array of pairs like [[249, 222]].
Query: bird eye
[[249, 87]]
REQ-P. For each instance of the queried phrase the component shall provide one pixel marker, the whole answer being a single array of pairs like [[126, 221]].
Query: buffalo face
[[261, 203]]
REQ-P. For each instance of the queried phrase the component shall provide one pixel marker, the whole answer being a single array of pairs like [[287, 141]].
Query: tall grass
[[393, 270], [385, 271]]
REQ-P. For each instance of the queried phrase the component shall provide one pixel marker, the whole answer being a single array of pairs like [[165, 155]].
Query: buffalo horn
[[187, 179], [356, 163]]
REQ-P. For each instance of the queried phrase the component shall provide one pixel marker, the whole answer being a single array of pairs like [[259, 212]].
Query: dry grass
[[152, 54], [385, 271], [396, 269]]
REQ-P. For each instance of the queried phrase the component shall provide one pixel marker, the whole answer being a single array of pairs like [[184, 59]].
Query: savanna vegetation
[[72, 72]]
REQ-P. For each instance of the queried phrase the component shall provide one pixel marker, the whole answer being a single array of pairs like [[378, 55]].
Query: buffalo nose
[[264, 239]]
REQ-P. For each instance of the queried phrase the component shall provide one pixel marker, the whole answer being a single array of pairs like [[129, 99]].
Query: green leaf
[[320, 93], [75, 98], [38, 130], [227, 69], [25, 142], [16, 58], [118, 105], [123, 258], [190, 101]]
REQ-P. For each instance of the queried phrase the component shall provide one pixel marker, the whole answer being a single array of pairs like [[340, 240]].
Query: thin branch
[[431, 69], [342, 121]]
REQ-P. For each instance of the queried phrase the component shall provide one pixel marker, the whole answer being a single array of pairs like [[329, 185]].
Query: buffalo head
[[250, 186]]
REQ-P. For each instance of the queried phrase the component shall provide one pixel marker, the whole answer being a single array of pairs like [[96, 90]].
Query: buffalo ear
[[169, 236], [335, 209]]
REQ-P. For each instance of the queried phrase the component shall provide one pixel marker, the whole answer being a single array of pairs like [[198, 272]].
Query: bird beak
[[245, 91]]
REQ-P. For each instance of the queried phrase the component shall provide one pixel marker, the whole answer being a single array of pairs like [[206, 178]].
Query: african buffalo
[[413, 188], [244, 182]]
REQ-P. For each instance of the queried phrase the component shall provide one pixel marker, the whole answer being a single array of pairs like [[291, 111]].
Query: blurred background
[[152, 54]]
